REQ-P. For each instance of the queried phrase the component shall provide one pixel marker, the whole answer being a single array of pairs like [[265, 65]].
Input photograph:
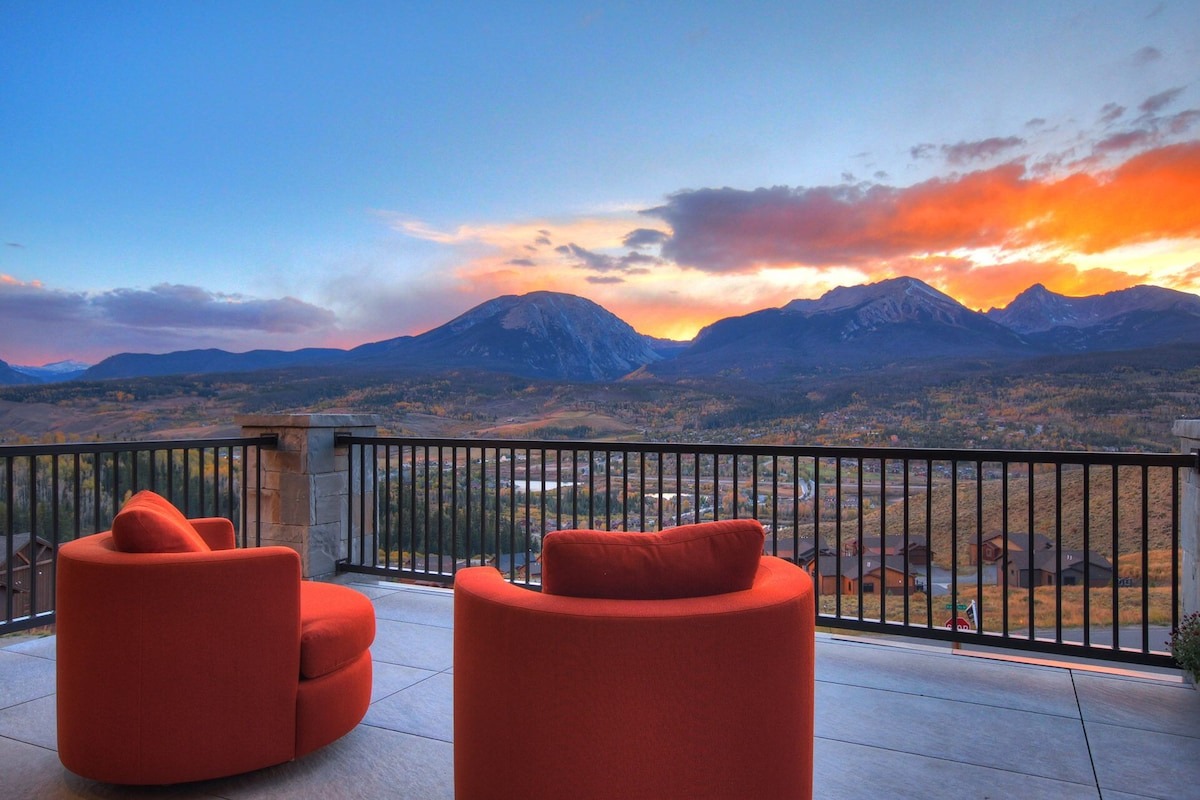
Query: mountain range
[[896, 322]]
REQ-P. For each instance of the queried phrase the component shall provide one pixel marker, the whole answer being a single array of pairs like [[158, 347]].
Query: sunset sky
[[280, 175]]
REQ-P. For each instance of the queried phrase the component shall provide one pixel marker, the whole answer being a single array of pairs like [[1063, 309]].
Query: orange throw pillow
[[148, 523], [687, 561]]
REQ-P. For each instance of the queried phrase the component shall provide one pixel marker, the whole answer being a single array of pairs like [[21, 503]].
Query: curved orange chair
[[181, 658], [672, 665]]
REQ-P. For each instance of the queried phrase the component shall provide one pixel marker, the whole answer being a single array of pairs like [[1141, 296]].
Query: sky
[[280, 175]]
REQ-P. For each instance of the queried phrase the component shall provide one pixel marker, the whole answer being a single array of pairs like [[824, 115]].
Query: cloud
[[602, 279], [49, 324], [644, 237], [521, 262], [1185, 279], [1149, 197], [1156, 103], [922, 151], [1111, 112], [1147, 55], [174, 306], [983, 150], [1181, 123], [599, 262], [1127, 140]]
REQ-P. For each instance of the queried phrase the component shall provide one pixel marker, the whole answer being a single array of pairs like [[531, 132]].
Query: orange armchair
[[605, 695], [181, 658]]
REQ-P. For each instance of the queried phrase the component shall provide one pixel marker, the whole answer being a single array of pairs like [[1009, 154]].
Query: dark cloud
[[175, 306], [639, 258], [1182, 122], [521, 262], [848, 177], [562, 248], [921, 151], [1156, 103], [15, 244], [1149, 129], [732, 230], [597, 262], [966, 152], [543, 232], [542, 240], [145, 320], [880, 175], [1036, 122], [1147, 54], [1123, 141], [602, 279], [1111, 113], [644, 237], [158, 320], [629, 264]]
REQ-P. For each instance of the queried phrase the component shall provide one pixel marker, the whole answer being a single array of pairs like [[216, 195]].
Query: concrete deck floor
[[897, 722]]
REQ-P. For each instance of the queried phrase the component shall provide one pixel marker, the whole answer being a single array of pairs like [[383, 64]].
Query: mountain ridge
[[550, 335]]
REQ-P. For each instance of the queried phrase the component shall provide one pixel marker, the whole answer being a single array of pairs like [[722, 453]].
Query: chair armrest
[[217, 532]]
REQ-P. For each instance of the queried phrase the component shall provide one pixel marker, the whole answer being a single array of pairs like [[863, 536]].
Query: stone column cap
[[307, 420]]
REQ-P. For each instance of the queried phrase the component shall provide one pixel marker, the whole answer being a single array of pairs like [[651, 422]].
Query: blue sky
[[244, 175]]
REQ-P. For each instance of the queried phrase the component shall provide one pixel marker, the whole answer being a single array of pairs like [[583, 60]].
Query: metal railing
[[54, 493], [1068, 553]]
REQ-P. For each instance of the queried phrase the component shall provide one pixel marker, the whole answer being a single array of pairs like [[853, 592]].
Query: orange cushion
[[148, 523], [687, 561], [336, 625]]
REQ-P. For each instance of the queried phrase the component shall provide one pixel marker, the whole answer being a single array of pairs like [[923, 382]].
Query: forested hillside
[[1124, 401]]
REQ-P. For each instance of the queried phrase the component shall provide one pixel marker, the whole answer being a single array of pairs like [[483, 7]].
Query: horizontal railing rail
[[1068, 553], [52, 493]]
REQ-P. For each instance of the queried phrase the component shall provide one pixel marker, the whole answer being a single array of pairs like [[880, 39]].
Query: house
[[518, 565], [1047, 567], [992, 546], [917, 549], [800, 551], [841, 574], [22, 580]]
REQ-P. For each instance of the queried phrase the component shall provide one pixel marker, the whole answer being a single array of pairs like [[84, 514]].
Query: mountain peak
[[887, 301], [1038, 309], [540, 334]]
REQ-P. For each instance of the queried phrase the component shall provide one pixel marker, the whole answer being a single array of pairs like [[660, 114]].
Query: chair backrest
[[686, 561]]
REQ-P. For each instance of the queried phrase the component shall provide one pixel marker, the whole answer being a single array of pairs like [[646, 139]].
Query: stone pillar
[[1188, 431], [304, 496]]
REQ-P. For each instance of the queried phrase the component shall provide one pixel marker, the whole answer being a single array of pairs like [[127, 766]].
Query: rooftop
[[890, 721]]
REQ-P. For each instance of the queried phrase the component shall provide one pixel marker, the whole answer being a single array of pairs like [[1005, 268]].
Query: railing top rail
[[1081, 457], [265, 440]]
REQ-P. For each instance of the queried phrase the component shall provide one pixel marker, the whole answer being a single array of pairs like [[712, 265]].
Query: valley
[[1121, 401]]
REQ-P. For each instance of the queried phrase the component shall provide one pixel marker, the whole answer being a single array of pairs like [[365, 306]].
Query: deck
[[891, 721]]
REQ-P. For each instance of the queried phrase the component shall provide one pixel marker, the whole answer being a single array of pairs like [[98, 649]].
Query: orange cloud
[[1150, 197]]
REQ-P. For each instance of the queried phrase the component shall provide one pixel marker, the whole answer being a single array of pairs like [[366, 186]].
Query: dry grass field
[[1046, 609], [961, 512]]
